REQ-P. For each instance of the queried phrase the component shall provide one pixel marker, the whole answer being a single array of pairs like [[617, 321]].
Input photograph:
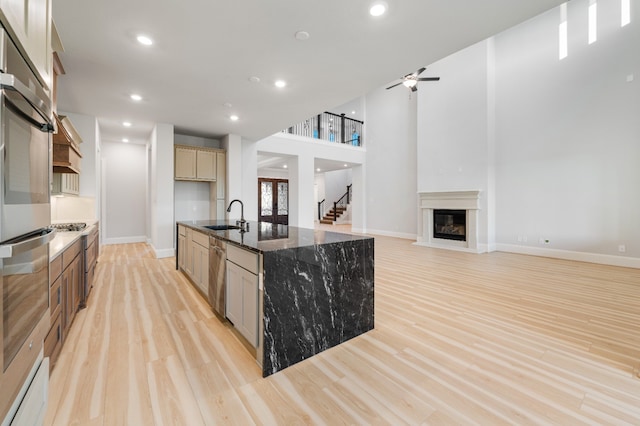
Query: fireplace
[[449, 220], [450, 224]]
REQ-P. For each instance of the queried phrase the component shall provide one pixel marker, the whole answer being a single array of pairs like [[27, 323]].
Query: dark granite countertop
[[263, 237]]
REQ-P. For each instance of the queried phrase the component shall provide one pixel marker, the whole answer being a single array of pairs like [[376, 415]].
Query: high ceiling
[[197, 73]]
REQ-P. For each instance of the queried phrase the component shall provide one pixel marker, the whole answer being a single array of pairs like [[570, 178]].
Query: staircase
[[338, 209], [328, 217]]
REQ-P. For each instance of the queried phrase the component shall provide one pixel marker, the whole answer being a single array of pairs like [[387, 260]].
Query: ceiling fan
[[411, 80]]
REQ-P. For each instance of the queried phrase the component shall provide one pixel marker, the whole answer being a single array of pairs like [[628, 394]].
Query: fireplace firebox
[[450, 224]]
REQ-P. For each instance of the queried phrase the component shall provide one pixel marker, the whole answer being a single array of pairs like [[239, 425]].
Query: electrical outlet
[[622, 248]]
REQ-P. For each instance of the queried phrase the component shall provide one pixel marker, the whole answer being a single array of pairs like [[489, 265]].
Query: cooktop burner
[[62, 227]]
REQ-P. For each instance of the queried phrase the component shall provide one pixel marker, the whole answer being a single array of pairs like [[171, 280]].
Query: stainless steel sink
[[222, 227]]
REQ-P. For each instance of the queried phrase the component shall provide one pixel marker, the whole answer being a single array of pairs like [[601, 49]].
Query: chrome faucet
[[241, 222]]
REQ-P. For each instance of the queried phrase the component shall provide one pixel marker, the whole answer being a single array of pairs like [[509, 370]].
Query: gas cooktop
[[63, 227]]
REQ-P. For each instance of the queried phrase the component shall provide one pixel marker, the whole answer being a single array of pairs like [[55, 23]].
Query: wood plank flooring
[[459, 339]]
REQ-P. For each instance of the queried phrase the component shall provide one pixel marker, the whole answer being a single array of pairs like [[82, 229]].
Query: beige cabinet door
[[206, 165], [242, 301], [221, 175], [181, 247], [185, 163], [30, 25]]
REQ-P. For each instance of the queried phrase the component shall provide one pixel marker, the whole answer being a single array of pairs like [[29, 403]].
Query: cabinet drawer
[[90, 256], [53, 341], [55, 297], [55, 268], [71, 253], [182, 230], [244, 258], [200, 238]]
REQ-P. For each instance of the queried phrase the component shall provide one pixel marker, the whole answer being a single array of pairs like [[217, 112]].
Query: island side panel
[[315, 298]]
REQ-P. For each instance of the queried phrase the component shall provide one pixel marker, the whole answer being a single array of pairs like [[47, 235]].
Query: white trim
[[170, 252], [125, 240], [402, 235], [468, 200], [447, 246], [604, 259]]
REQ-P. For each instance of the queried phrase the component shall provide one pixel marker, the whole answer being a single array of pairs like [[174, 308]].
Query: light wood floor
[[459, 339]]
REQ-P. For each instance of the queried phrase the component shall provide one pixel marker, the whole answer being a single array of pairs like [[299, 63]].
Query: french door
[[273, 200]]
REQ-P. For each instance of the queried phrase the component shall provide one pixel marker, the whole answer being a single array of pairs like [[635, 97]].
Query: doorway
[[273, 200]]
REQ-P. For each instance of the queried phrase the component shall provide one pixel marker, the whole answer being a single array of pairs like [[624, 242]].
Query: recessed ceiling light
[[143, 39], [280, 83], [234, 118], [318, 169], [285, 166], [302, 35], [135, 97], [345, 165], [353, 112], [125, 140], [378, 8], [126, 124]]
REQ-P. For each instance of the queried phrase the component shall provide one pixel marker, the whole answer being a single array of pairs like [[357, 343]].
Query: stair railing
[[320, 208], [343, 201]]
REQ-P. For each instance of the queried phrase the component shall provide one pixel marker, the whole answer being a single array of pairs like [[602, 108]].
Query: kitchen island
[[315, 288]]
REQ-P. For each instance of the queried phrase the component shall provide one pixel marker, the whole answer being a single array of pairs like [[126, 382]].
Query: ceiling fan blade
[[417, 73], [429, 79], [397, 84]]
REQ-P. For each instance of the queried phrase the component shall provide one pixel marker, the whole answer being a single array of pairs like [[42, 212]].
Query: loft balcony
[[330, 127]]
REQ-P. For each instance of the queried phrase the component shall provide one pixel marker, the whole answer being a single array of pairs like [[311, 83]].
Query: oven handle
[[10, 82], [26, 242]]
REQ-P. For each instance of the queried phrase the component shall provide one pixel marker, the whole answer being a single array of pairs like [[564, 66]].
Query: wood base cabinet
[[65, 292]]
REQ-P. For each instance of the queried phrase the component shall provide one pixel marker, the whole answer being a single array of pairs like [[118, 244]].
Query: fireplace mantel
[[451, 200]]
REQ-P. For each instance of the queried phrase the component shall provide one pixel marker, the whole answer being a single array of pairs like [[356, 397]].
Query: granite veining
[[315, 297]]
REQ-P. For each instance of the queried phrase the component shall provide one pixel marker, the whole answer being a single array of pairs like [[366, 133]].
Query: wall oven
[[25, 231]]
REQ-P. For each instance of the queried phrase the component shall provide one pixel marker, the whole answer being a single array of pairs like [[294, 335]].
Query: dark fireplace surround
[[450, 224]]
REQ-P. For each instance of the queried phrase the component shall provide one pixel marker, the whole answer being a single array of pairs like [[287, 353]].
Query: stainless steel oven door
[[24, 309]]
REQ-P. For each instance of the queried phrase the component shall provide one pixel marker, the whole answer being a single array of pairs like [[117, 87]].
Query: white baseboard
[[481, 248], [388, 234], [125, 240], [170, 252], [605, 259]]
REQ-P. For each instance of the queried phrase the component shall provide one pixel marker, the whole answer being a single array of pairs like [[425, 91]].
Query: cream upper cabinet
[[185, 163], [206, 165], [199, 164], [29, 24]]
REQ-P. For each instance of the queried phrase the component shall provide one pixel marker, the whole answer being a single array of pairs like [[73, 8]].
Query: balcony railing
[[330, 127]]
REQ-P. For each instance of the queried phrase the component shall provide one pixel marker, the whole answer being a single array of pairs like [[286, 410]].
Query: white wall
[[453, 129], [568, 132], [163, 226], [335, 185], [553, 144], [180, 139], [192, 200], [125, 193], [390, 141]]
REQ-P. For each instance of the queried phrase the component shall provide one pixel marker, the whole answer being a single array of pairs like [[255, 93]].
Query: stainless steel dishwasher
[[217, 274]]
